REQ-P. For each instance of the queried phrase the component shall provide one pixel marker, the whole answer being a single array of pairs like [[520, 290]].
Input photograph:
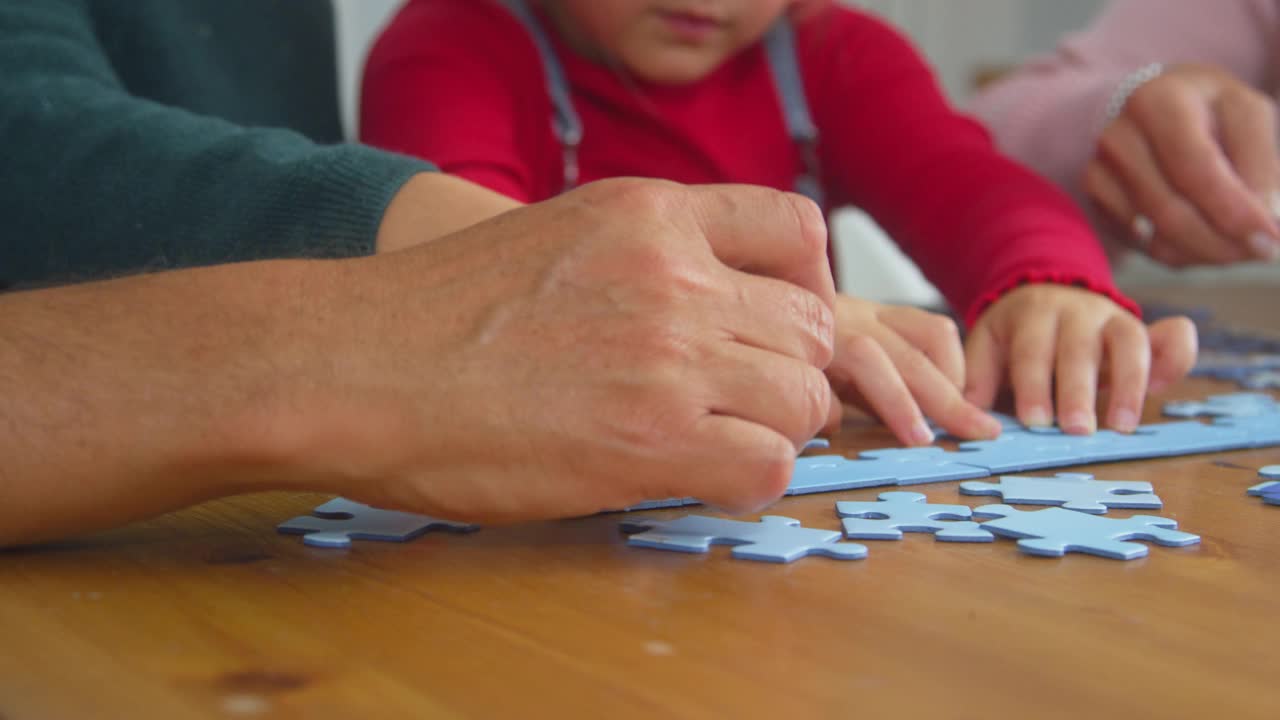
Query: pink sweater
[[1049, 113]]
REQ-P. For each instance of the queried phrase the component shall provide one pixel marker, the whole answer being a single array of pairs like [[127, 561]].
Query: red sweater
[[461, 83]]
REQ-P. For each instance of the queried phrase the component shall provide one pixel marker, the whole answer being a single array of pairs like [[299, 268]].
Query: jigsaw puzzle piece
[[1256, 431], [1190, 438], [1052, 532], [1271, 495], [336, 523], [1266, 488], [1020, 451], [829, 473], [1269, 491], [1230, 405], [773, 539], [816, 443], [1072, 491], [899, 512], [913, 466], [661, 504], [1262, 380]]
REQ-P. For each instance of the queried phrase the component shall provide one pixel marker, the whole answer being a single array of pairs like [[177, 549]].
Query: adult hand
[[1055, 339], [1191, 167], [901, 364], [629, 340]]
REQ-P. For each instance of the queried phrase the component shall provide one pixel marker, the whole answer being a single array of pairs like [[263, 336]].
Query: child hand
[[1055, 339], [901, 364]]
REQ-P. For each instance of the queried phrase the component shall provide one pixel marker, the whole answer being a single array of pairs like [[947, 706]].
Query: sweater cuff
[[1038, 277], [347, 189]]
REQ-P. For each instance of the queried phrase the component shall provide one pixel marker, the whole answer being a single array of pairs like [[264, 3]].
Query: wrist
[[432, 205], [1129, 85]]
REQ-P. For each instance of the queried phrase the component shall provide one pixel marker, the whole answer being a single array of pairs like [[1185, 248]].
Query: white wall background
[[958, 36]]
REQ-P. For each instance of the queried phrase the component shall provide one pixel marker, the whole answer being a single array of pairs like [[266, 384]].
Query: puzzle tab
[[899, 512], [1053, 532], [336, 523], [1073, 491], [774, 539]]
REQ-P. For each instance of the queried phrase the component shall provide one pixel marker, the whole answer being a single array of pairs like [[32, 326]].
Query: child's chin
[[677, 71]]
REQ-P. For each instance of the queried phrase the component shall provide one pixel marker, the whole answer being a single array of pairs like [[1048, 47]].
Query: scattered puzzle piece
[[1271, 495], [1263, 380], [336, 523], [899, 512], [1072, 491], [773, 539], [1269, 491], [1231, 405], [1053, 532], [661, 504]]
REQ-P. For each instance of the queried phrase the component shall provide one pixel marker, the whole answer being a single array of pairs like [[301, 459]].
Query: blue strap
[[780, 47], [567, 124]]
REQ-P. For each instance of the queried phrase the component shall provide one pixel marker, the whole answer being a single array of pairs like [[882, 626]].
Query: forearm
[[98, 182], [432, 205], [129, 398]]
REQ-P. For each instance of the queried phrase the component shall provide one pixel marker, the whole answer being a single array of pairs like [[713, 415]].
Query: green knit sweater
[[147, 134]]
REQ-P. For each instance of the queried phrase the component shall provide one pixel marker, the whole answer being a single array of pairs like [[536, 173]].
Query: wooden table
[[210, 613]]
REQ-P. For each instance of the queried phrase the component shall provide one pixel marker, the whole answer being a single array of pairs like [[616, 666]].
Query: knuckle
[[1171, 216], [774, 466], [818, 323], [816, 391], [642, 197], [812, 223], [942, 330]]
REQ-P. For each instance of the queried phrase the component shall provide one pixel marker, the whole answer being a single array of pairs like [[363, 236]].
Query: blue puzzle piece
[[1262, 380], [1255, 431], [1072, 491], [899, 512], [1269, 491], [1019, 451], [336, 523], [816, 443], [829, 473], [1232, 405], [773, 539], [1271, 495], [1052, 532], [1191, 437], [1269, 487], [912, 466], [661, 504]]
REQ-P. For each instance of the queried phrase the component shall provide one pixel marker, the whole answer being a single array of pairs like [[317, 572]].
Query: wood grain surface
[[209, 613]]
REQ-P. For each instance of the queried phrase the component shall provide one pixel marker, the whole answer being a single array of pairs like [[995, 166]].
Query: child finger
[[1128, 353], [1078, 356], [1032, 350]]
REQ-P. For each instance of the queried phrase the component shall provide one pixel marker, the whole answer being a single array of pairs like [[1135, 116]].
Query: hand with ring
[[1190, 166]]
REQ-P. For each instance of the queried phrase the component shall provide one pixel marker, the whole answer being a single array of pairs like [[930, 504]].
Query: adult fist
[[629, 340]]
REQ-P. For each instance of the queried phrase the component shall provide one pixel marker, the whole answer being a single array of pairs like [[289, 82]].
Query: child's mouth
[[689, 27]]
